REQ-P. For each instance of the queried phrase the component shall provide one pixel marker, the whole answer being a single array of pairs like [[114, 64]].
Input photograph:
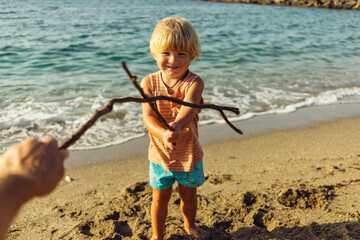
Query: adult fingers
[[53, 142], [50, 140]]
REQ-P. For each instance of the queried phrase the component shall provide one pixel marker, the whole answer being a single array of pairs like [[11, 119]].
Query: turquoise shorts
[[161, 179]]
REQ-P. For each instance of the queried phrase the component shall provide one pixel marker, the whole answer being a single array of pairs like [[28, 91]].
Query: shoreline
[[292, 178], [258, 125], [332, 4]]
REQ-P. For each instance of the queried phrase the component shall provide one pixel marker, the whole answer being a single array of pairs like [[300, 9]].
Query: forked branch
[[151, 100]]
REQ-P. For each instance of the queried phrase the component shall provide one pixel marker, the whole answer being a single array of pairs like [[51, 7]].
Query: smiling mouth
[[172, 67]]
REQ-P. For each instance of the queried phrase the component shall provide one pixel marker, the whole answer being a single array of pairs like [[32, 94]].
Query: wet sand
[[291, 176]]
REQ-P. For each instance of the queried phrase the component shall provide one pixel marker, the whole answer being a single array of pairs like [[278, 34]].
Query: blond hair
[[175, 33]]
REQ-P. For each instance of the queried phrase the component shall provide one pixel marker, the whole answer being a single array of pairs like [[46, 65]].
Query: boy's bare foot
[[155, 238], [198, 233]]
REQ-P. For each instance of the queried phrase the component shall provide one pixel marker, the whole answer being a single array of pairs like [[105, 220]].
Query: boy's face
[[172, 63]]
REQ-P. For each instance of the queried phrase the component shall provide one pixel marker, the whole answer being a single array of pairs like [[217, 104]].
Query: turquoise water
[[61, 60]]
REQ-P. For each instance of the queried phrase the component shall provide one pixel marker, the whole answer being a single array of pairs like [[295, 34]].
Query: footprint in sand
[[86, 228], [249, 198], [114, 216], [123, 228], [138, 187], [137, 191], [330, 170], [302, 198], [114, 229], [218, 179]]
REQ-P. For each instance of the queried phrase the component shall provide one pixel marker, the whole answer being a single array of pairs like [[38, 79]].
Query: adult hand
[[39, 164], [28, 169]]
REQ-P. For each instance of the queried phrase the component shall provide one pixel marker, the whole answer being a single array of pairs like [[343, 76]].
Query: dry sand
[[301, 183]]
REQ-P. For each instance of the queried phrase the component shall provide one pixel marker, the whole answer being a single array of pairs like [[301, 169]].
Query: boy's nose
[[172, 58]]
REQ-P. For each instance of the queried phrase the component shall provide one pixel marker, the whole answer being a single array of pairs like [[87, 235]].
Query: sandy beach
[[291, 176]]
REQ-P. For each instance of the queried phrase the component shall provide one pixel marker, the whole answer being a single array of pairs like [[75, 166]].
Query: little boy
[[174, 155]]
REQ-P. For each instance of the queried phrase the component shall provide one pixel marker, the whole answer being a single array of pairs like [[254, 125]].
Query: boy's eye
[[169, 53]]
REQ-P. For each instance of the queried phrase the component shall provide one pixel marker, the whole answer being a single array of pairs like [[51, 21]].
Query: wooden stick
[[109, 106], [151, 100]]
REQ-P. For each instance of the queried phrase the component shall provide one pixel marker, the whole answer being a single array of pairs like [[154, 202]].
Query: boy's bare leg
[[188, 208], [159, 211]]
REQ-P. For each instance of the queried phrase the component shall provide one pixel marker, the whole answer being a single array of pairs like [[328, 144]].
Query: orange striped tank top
[[188, 151]]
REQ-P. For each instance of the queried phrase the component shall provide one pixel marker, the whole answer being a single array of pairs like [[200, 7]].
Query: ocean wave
[[36, 119], [7, 12], [337, 96]]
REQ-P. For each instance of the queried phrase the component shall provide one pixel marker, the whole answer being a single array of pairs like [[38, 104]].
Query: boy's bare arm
[[187, 114]]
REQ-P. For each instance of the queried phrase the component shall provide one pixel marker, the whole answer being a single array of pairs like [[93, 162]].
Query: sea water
[[61, 60]]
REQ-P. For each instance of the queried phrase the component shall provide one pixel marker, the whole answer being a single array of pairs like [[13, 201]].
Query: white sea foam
[[343, 95], [36, 119]]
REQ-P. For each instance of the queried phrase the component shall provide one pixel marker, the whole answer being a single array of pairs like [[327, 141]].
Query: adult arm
[[28, 169]]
